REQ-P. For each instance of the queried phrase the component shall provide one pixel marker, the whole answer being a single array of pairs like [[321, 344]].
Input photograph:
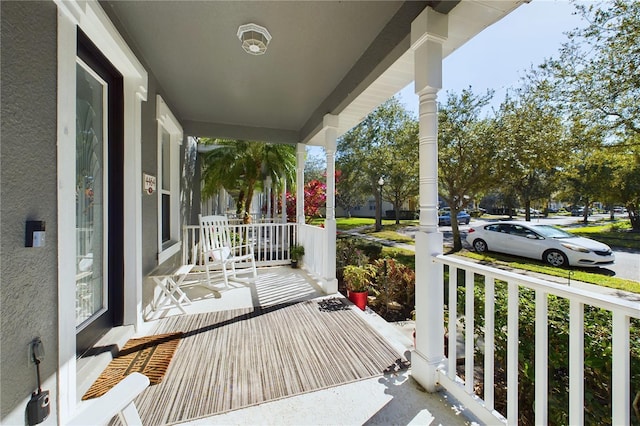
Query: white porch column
[[428, 32], [267, 194], [284, 201], [300, 153], [330, 137]]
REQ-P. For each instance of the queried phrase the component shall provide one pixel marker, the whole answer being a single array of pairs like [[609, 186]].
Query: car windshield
[[552, 232]]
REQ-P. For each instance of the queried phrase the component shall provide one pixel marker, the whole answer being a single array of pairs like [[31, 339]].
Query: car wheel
[[555, 258], [480, 246]]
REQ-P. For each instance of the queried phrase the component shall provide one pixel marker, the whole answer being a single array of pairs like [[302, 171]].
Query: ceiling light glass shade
[[255, 38]]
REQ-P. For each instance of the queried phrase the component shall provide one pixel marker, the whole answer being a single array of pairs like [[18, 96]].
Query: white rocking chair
[[220, 253]]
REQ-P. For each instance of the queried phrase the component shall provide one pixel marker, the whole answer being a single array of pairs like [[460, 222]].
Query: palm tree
[[240, 167]]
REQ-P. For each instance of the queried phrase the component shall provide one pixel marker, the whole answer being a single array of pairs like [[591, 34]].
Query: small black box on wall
[[34, 233]]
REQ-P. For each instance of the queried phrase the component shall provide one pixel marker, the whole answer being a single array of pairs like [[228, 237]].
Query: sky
[[500, 55]]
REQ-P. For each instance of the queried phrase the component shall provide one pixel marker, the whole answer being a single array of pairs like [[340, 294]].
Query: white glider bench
[[118, 401]]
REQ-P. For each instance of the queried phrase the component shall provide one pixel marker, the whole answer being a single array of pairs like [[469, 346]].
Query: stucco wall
[[149, 136], [28, 288]]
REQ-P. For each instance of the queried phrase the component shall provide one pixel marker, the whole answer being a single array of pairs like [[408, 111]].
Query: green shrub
[[370, 249], [393, 284], [358, 278], [597, 354]]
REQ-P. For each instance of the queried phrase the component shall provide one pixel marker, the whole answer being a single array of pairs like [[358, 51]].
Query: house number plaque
[[149, 183]]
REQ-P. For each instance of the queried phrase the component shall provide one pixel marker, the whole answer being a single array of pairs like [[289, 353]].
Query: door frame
[[113, 148], [93, 21]]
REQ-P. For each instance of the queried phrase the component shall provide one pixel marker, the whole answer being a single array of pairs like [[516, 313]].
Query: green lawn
[[615, 234], [347, 223], [583, 275]]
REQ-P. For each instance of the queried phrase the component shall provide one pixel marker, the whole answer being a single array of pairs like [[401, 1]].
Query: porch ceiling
[[342, 58]]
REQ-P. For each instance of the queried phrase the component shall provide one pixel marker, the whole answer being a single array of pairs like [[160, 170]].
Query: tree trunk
[[396, 207], [527, 210], [634, 216], [585, 213], [457, 241]]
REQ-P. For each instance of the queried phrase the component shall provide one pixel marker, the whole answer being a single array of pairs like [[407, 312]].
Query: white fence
[[314, 239], [480, 338], [270, 241]]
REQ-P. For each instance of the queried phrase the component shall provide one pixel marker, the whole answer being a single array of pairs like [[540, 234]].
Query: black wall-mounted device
[[34, 233], [38, 406]]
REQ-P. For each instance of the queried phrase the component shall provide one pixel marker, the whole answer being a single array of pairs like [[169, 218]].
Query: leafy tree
[[349, 191], [464, 152], [597, 74], [588, 168], [598, 69], [314, 167], [626, 180], [367, 152], [401, 179], [315, 197], [531, 144], [240, 167]]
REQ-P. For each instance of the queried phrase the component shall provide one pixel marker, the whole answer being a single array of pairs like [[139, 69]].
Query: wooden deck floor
[[237, 358]]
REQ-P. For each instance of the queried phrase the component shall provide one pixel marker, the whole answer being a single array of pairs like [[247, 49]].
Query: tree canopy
[[384, 144], [240, 167], [465, 151]]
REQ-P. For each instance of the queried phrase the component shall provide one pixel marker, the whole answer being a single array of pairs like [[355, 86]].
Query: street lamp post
[[379, 209]]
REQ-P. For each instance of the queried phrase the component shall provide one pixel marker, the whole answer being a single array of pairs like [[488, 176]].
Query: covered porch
[[282, 351], [178, 71], [287, 319]]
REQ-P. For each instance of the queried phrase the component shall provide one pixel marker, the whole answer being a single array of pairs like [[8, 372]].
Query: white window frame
[[169, 124], [93, 21]]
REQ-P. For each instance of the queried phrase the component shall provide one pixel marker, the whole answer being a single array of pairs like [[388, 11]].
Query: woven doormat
[[149, 355]]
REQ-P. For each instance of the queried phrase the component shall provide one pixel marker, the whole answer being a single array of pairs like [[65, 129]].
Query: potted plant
[[357, 280], [296, 253]]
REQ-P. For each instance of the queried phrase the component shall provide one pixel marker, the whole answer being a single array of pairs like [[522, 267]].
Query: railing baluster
[[541, 359], [512, 353], [576, 362], [489, 341], [622, 310], [469, 324], [453, 320], [621, 395]]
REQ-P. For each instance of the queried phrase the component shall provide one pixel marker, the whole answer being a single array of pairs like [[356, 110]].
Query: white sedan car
[[545, 242]]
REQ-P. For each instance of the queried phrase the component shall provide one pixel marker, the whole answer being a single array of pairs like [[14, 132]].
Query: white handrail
[[622, 310], [270, 241]]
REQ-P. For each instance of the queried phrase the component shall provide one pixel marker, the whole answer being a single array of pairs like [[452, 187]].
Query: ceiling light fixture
[[255, 38]]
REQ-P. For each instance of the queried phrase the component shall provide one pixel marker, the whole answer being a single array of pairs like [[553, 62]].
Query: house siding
[[28, 288], [29, 302], [149, 136]]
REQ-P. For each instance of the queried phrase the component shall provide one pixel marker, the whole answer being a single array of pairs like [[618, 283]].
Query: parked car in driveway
[[444, 218], [547, 243]]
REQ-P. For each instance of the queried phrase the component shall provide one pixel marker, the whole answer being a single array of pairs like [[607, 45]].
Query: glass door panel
[[91, 195]]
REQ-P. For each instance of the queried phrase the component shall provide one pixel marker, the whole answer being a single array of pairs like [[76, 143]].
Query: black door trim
[[114, 315]]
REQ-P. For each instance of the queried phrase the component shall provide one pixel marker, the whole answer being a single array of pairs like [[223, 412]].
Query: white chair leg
[[225, 274]]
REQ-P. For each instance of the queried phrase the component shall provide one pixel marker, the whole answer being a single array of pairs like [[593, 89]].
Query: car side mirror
[[532, 237]]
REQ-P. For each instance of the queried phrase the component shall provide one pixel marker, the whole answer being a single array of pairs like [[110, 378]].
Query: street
[[627, 265]]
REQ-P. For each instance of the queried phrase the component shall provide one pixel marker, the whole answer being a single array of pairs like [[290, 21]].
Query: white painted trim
[[165, 254], [168, 122], [91, 19], [66, 387]]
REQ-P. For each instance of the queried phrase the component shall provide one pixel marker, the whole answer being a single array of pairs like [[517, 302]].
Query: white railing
[[481, 338], [270, 242], [314, 239]]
